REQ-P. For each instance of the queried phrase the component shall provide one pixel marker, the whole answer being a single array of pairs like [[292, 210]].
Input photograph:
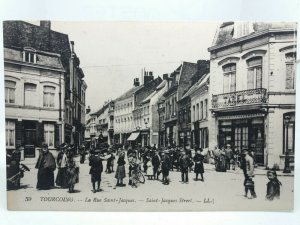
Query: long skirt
[[72, 176], [45, 179], [120, 173], [61, 178]]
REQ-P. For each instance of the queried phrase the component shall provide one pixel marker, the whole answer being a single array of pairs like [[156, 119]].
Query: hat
[[228, 145], [44, 145]]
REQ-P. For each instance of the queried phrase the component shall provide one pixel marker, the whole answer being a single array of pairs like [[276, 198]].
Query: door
[[257, 143], [29, 139]]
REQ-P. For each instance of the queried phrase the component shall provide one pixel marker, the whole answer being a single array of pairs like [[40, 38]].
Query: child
[[72, 172], [273, 186]]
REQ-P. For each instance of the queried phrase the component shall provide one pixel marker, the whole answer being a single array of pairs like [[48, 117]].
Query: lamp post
[[287, 168]]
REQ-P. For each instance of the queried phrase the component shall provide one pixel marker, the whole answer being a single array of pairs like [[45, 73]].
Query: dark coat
[[165, 165], [273, 189], [184, 162], [198, 159], [156, 161], [46, 166], [96, 167]]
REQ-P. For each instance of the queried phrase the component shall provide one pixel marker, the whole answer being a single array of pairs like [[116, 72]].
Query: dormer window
[[29, 55]]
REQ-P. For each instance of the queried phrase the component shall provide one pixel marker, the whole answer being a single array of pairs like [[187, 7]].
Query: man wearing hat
[[156, 163], [247, 165], [61, 161], [46, 166], [184, 163]]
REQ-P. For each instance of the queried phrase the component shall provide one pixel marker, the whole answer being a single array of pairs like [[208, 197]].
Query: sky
[[112, 54]]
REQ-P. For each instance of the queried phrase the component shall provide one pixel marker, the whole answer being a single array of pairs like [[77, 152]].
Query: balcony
[[240, 98]]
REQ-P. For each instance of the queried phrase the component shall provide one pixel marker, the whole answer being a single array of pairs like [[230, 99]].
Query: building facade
[[252, 80], [46, 55], [34, 90]]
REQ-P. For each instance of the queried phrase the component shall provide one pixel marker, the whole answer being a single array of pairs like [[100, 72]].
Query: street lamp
[[287, 168]]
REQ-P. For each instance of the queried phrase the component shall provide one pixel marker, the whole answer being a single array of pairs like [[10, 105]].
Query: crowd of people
[[155, 164]]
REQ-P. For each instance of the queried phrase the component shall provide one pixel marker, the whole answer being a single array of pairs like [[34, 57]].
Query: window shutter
[[40, 130], [56, 135]]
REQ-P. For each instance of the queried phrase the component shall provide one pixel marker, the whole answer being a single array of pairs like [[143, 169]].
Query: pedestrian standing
[[61, 177], [228, 154], [273, 186], [72, 172], [96, 169], [199, 168], [120, 172], [247, 165], [184, 163], [222, 160], [156, 163], [46, 166], [165, 167]]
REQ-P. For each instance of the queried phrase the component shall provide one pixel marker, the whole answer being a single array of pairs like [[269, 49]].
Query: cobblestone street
[[229, 184]]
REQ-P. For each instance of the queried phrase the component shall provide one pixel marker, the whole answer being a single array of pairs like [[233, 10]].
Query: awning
[[133, 136]]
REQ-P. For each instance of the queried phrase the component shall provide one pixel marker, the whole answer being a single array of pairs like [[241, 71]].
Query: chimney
[[88, 110], [45, 24], [165, 76], [136, 82], [148, 77], [72, 46]]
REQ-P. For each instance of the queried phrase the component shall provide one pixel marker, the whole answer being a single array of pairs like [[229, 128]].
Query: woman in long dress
[[120, 172]]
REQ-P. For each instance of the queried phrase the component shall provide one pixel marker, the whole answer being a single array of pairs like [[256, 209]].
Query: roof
[[129, 93], [230, 31], [188, 70], [199, 83], [21, 34]]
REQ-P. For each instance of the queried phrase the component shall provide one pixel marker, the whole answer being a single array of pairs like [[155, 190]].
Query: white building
[[253, 85], [34, 99]]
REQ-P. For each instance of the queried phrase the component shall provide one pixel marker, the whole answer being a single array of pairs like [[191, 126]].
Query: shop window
[[290, 70], [49, 93], [30, 94], [229, 76], [10, 133], [49, 134], [254, 75], [10, 88]]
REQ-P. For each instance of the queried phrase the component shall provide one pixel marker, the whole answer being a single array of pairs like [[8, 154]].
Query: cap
[[228, 145], [44, 145]]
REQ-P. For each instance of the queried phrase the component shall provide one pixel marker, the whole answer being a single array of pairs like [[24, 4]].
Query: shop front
[[243, 131]]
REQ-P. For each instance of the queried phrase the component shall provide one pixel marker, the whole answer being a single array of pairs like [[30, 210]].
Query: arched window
[[229, 82], [254, 75], [10, 88], [290, 59], [49, 93]]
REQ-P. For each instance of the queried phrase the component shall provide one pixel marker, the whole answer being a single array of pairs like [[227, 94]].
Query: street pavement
[[219, 191]]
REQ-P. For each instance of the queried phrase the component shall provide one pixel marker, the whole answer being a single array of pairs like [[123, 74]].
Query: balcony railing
[[240, 98]]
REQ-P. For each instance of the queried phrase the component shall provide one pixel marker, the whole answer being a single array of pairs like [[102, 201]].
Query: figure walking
[[72, 172], [199, 168], [46, 166], [248, 169]]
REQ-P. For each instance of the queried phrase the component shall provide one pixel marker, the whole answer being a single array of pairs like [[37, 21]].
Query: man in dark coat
[[247, 165], [199, 168], [156, 163], [46, 166], [165, 167], [184, 163], [96, 169]]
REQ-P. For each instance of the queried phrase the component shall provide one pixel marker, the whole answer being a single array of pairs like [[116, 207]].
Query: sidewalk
[[257, 170]]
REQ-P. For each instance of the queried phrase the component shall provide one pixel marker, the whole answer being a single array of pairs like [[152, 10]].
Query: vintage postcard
[[150, 116]]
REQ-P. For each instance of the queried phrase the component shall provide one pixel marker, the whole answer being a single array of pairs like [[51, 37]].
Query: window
[[10, 133], [49, 134], [290, 70], [30, 94], [10, 87], [201, 110], [194, 113], [205, 108], [197, 112], [229, 72], [29, 57], [49, 93], [254, 75], [189, 115]]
